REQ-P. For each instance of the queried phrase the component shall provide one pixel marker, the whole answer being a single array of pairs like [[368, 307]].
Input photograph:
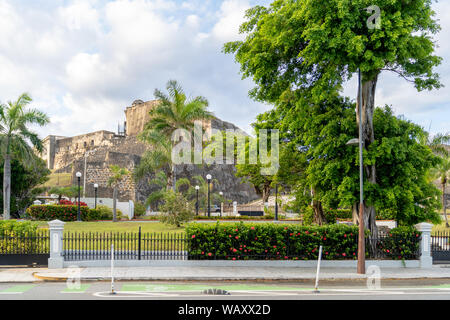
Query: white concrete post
[[56, 260], [426, 261]]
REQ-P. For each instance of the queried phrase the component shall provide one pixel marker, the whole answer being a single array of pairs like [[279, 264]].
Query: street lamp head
[[96, 186], [78, 174], [197, 187], [208, 177]]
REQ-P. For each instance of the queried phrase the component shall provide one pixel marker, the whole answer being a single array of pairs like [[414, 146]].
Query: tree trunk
[[266, 193], [115, 204], [170, 180], [319, 216], [444, 204], [7, 188], [368, 137]]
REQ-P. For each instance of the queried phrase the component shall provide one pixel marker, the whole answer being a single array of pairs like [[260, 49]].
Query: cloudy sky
[[84, 61]]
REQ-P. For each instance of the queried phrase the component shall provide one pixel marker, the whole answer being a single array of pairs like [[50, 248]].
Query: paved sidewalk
[[217, 273]]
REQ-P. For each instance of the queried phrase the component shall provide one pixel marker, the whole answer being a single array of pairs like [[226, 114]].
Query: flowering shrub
[[261, 241], [61, 212], [65, 202]]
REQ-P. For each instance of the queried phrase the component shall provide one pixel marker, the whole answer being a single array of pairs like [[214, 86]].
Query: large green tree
[[293, 45], [319, 133], [174, 111], [25, 184], [15, 136]]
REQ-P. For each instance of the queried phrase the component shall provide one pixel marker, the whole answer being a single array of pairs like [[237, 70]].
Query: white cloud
[[231, 17], [84, 61]]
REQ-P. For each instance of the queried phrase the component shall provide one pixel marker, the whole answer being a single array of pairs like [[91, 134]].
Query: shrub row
[[17, 227], [63, 213], [286, 242], [22, 237]]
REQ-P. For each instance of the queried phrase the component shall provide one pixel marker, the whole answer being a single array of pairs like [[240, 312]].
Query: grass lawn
[[107, 226]]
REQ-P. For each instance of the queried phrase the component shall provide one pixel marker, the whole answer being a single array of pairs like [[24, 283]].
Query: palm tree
[[174, 111], [14, 137], [118, 174], [437, 143], [442, 172]]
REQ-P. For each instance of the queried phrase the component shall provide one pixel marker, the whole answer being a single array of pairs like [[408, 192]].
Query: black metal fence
[[24, 248], [127, 246], [440, 246], [169, 246], [394, 247]]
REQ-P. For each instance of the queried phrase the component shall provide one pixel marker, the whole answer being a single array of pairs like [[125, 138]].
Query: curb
[[49, 279]]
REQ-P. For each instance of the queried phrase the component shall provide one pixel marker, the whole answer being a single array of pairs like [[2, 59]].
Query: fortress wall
[[137, 116]]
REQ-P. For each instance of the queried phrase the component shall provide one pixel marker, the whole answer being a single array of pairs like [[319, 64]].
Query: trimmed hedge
[[268, 241], [17, 227], [62, 212], [22, 237]]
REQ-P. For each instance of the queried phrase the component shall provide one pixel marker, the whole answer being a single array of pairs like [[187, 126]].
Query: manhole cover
[[216, 292]]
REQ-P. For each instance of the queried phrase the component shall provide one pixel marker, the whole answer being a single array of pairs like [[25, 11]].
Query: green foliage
[[402, 243], [106, 213], [22, 237], [139, 209], [331, 215], [18, 227], [176, 209], [67, 213], [173, 111], [25, 182], [284, 242], [305, 44], [403, 190]]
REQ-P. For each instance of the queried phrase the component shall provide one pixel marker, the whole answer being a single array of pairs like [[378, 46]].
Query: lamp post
[[221, 202], [208, 178], [276, 202], [79, 196], [361, 269], [196, 203], [95, 192]]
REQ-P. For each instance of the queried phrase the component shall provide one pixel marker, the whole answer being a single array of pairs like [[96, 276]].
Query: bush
[[176, 209], [19, 237], [280, 242], [61, 212], [18, 227], [139, 209], [106, 213]]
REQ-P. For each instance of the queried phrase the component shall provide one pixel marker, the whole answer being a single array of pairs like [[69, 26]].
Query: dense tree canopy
[[316, 46], [25, 182]]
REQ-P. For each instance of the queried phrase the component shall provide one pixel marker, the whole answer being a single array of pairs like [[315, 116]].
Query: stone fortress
[[93, 153]]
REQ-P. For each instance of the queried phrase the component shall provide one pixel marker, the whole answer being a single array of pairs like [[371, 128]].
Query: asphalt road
[[389, 290]]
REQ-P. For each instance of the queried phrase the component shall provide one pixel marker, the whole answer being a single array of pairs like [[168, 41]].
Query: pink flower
[[210, 254], [252, 228], [343, 254], [193, 236]]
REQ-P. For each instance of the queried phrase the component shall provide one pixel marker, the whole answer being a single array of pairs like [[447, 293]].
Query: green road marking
[[18, 289], [193, 287], [82, 289], [440, 286]]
